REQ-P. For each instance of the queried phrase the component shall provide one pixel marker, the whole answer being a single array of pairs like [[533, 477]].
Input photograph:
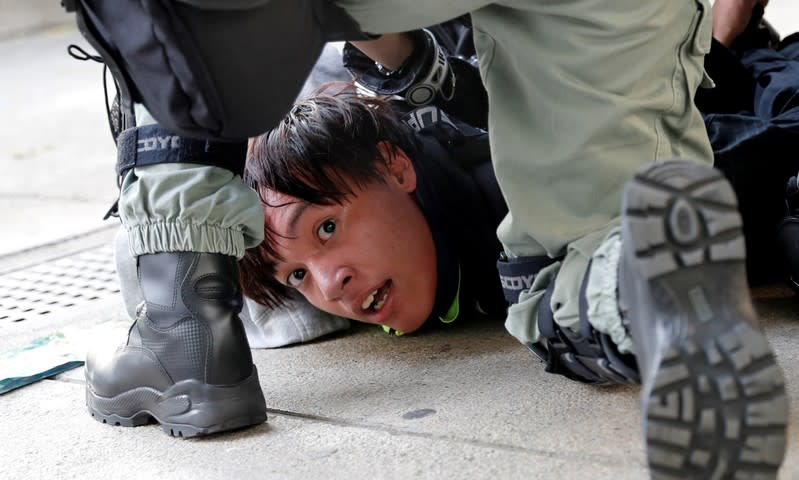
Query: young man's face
[[371, 259]]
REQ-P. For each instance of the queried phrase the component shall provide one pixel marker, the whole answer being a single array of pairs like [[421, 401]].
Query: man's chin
[[410, 324]]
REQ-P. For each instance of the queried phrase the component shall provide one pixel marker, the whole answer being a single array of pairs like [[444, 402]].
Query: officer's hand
[[730, 18]]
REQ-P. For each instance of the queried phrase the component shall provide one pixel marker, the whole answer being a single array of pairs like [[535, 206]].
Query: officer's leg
[[608, 87], [187, 362]]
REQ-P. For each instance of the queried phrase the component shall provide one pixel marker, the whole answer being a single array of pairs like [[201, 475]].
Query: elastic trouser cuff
[[601, 293], [182, 237], [178, 207]]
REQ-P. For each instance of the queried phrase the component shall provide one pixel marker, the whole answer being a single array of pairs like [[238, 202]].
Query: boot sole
[[189, 408], [715, 404]]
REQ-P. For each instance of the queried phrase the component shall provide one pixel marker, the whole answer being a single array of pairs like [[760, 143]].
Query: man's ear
[[400, 171]]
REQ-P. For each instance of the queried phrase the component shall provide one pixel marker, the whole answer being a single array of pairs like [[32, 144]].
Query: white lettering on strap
[[520, 282], [158, 143]]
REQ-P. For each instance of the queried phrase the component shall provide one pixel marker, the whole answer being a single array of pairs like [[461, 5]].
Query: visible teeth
[[380, 302], [368, 300]]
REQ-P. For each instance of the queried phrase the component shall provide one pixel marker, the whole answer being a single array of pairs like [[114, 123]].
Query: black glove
[[429, 76]]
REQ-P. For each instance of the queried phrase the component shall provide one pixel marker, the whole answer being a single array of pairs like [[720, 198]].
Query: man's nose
[[333, 281]]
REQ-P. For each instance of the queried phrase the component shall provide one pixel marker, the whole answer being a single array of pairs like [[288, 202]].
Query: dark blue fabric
[[753, 124], [463, 205]]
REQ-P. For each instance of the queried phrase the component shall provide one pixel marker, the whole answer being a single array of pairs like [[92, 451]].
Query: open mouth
[[375, 300]]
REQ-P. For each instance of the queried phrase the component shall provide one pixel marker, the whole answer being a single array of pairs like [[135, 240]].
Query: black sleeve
[[735, 85]]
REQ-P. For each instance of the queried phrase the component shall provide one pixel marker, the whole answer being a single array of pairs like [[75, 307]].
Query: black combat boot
[[187, 363], [713, 398]]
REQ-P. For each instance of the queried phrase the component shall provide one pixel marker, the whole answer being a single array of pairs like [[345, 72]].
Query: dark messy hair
[[321, 153]]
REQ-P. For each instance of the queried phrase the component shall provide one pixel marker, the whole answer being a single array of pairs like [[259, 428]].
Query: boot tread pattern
[[718, 407], [683, 220]]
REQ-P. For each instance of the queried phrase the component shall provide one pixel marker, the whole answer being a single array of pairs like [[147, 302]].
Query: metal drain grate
[[52, 286]]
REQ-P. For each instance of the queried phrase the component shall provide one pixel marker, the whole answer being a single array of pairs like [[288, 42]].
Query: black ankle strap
[[153, 144], [587, 356], [517, 274]]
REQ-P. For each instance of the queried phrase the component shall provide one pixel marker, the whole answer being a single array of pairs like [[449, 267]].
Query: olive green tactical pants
[[582, 92], [178, 207]]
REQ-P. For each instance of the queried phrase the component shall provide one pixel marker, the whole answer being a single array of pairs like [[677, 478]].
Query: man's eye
[[326, 229], [295, 277]]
